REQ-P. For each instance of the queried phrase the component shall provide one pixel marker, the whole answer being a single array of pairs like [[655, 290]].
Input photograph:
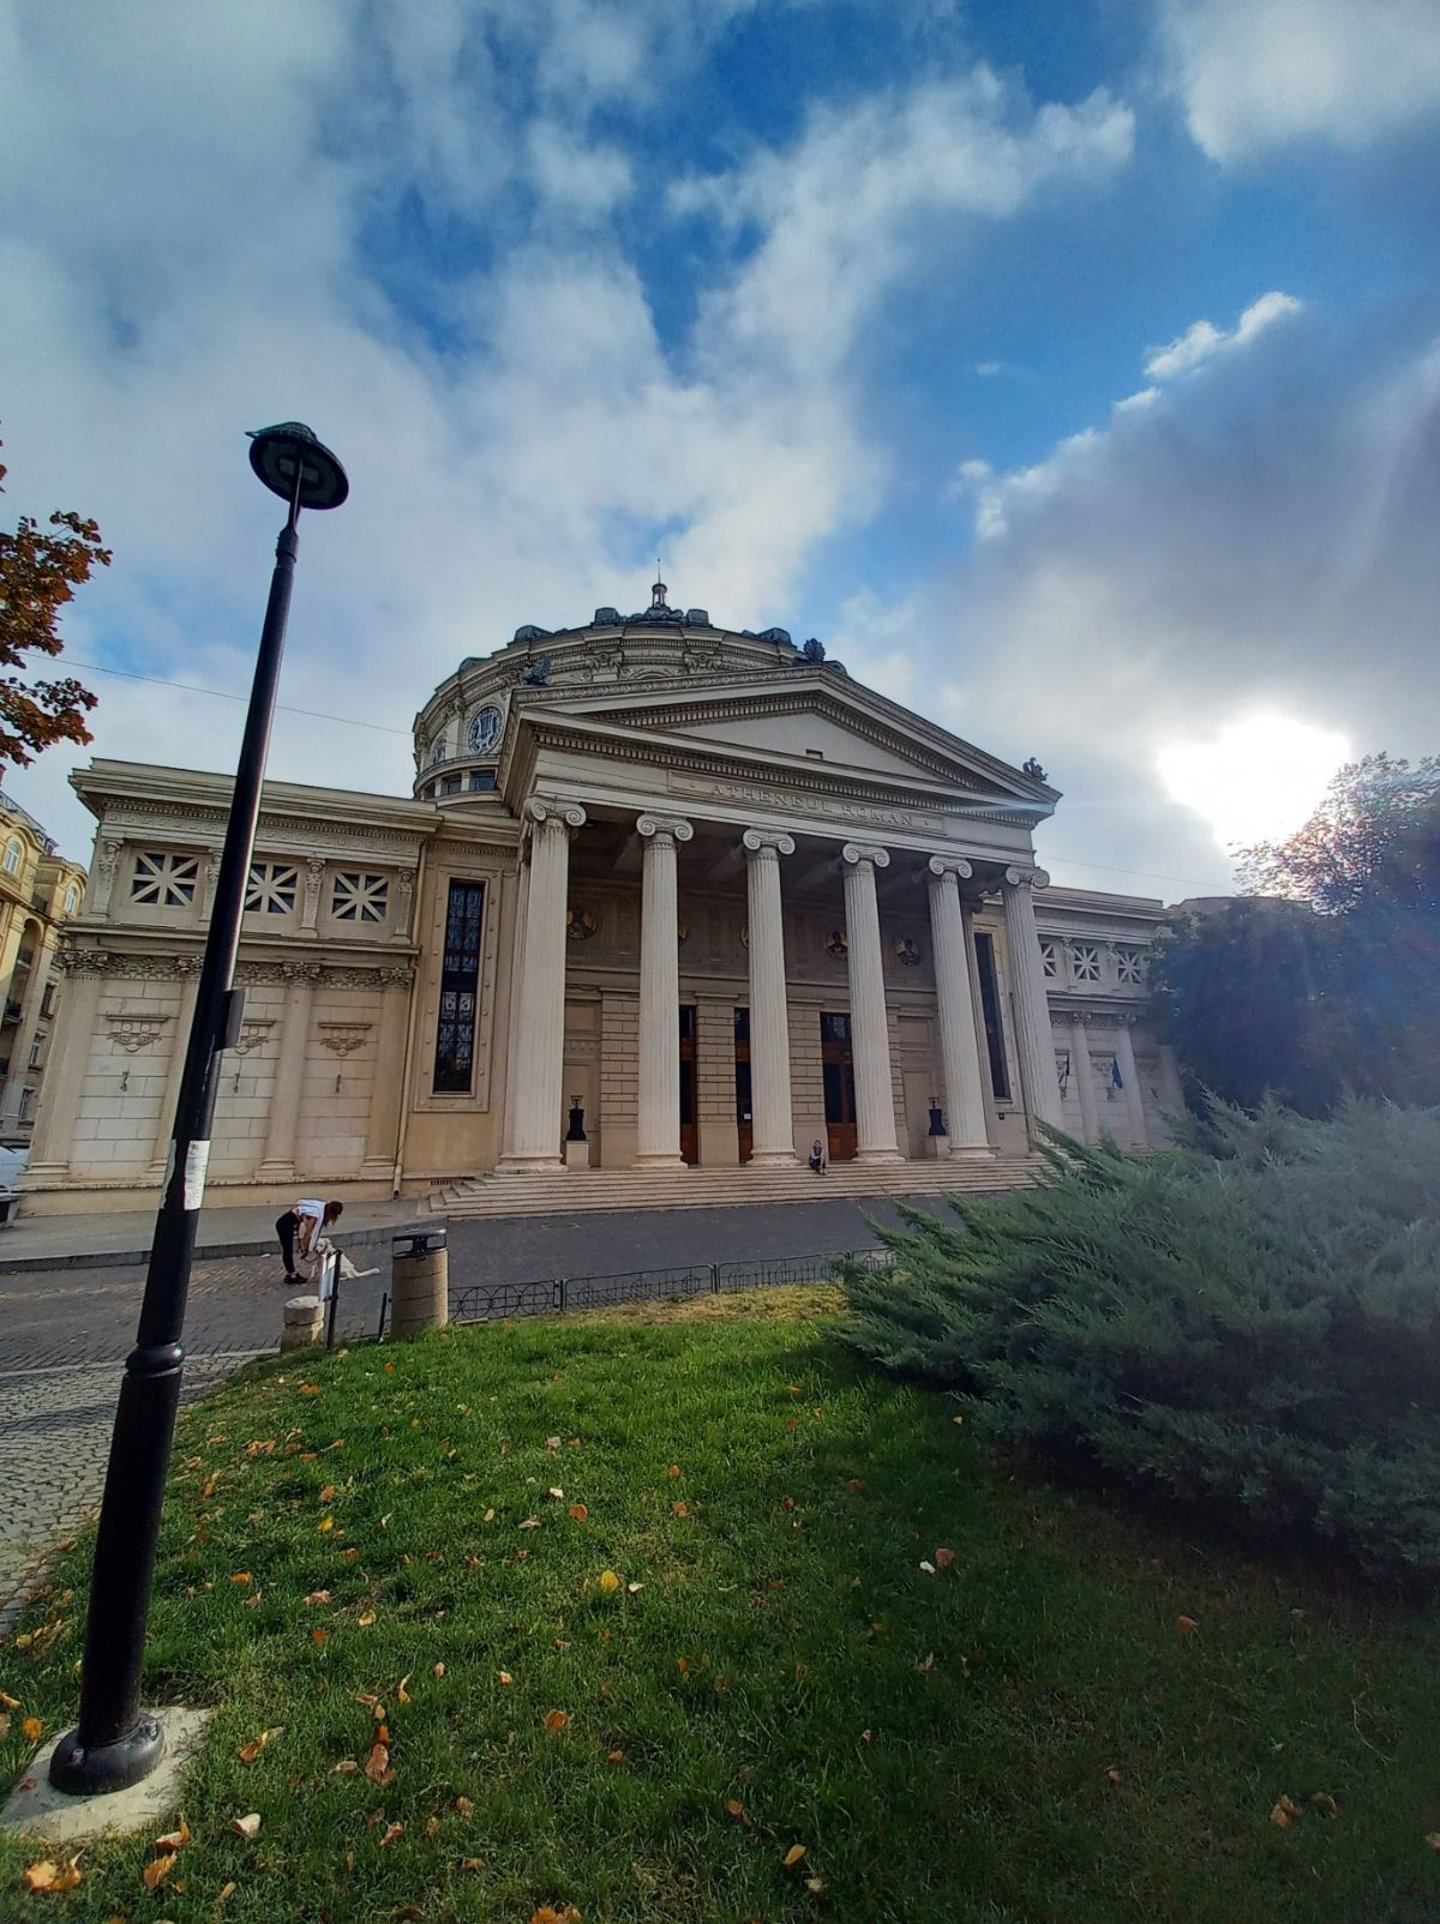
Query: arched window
[[72, 899], [12, 859]]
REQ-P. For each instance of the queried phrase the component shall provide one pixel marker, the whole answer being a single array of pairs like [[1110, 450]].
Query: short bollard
[[304, 1321], [419, 1283]]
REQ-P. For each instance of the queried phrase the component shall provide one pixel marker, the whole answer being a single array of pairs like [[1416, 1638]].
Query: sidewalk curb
[[204, 1252]]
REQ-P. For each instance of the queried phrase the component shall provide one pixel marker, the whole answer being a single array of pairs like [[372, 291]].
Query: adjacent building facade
[[39, 893], [697, 885]]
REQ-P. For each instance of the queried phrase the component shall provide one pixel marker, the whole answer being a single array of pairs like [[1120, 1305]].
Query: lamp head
[[277, 453]]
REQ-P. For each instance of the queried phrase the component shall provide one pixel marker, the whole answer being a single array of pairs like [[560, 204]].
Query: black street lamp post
[[116, 1744]]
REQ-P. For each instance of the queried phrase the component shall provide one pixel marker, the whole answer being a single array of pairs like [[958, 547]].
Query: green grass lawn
[[1030, 1732]]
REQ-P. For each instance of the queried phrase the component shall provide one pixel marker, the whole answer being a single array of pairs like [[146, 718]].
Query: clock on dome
[[485, 730]]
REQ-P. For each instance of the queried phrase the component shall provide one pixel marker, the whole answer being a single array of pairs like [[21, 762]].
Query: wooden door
[[838, 1069], [689, 1132], [744, 1112]]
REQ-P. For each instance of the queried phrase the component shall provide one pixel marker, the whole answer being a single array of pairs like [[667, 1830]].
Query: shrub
[[1251, 1322]]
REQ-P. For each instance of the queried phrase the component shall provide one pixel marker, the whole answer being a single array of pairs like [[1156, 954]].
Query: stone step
[[576, 1191]]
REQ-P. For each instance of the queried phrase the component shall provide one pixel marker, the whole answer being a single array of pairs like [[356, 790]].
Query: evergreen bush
[[1250, 1322]]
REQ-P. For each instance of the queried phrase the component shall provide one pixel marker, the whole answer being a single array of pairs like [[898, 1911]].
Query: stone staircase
[[574, 1191]]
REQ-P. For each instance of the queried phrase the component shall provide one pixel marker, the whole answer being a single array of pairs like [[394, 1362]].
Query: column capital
[[943, 867], [546, 811], [757, 841], [664, 828], [861, 853], [1035, 878]]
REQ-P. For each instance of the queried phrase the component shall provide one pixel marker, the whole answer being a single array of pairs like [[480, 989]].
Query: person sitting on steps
[[301, 1227], [817, 1157]]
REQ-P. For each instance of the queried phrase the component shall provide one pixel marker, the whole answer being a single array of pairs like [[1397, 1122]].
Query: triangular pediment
[[811, 721]]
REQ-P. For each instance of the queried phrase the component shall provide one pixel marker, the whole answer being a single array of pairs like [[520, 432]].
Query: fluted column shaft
[[771, 1108], [1134, 1101], [959, 1044], [658, 1134], [869, 1027], [537, 1069], [1083, 1071], [1035, 1044]]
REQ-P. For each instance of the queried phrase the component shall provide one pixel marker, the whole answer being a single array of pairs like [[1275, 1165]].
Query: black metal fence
[[489, 1302]]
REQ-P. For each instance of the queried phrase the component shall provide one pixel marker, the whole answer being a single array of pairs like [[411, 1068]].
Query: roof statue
[[1032, 767]]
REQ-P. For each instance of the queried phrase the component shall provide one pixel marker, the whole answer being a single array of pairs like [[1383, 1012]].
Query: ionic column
[[288, 1086], [657, 1141], [771, 1107], [959, 1044], [869, 1028], [1084, 1074], [1035, 1045], [536, 1093], [1134, 1100]]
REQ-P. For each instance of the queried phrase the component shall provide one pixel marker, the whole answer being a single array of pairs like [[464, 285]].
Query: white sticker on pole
[[197, 1159]]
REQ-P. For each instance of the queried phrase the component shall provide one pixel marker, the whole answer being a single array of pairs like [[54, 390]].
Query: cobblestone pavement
[[64, 1334]]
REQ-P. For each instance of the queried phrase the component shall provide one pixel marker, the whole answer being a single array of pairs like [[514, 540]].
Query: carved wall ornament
[[343, 1038], [907, 951], [132, 1033], [581, 924], [837, 943], [253, 1031]]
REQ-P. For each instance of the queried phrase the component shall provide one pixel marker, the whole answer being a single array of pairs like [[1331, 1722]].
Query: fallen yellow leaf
[[506, 1679], [1186, 1625], [464, 1806], [9, 1702], [616, 1757], [793, 1856], [365, 1619], [242, 1576], [681, 1509], [943, 1559], [609, 1583], [319, 1636], [377, 1765], [1285, 1813], [438, 1671], [32, 1729], [327, 1495], [402, 1695], [174, 1840], [318, 1596], [579, 1513], [557, 1720], [155, 1874], [674, 1470], [432, 1826], [325, 1525], [248, 1826], [395, 1830], [46, 1876]]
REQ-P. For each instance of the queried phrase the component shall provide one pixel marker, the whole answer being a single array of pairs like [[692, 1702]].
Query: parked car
[[12, 1164]]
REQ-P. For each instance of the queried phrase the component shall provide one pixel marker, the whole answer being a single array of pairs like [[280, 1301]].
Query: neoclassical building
[[697, 884], [39, 892]]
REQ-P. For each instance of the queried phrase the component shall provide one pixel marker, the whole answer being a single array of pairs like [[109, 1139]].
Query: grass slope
[[1024, 1735]]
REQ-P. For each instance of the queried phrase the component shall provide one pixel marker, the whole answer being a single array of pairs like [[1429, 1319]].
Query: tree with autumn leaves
[[40, 569], [1324, 978]]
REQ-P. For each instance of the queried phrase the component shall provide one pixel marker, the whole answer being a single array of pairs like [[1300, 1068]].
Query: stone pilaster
[[277, 1164], [1035, 1044], [869, 1029], [174, 1071], [1083, 1071], [382, 1128], [64, 1086], [773, 1125], [658, 1139], [959, 1041], [536, 1095], [1130, 1076]]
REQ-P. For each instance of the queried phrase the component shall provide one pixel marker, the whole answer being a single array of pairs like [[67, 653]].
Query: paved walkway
[[65, 1328]]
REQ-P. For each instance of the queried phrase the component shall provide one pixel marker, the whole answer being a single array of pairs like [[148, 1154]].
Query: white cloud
[[1257, 779], [188, 248], [841, 216], [1252, 74], [1204, 341]]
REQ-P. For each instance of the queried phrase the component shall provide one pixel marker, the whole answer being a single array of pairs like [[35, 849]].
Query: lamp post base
[[108, 1767]]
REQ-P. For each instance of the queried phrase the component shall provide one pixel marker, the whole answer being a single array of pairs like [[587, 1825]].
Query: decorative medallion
[[581, 924], [485, 730], [907, 949], [837, 943]]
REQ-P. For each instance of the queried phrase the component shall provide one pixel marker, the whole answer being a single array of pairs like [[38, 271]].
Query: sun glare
[[1257, 780]]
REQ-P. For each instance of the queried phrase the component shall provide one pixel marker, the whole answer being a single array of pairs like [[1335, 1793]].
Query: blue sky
[[1072, 370]]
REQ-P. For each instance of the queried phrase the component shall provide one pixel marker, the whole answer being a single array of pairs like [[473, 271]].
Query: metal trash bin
[[419, 1282]]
